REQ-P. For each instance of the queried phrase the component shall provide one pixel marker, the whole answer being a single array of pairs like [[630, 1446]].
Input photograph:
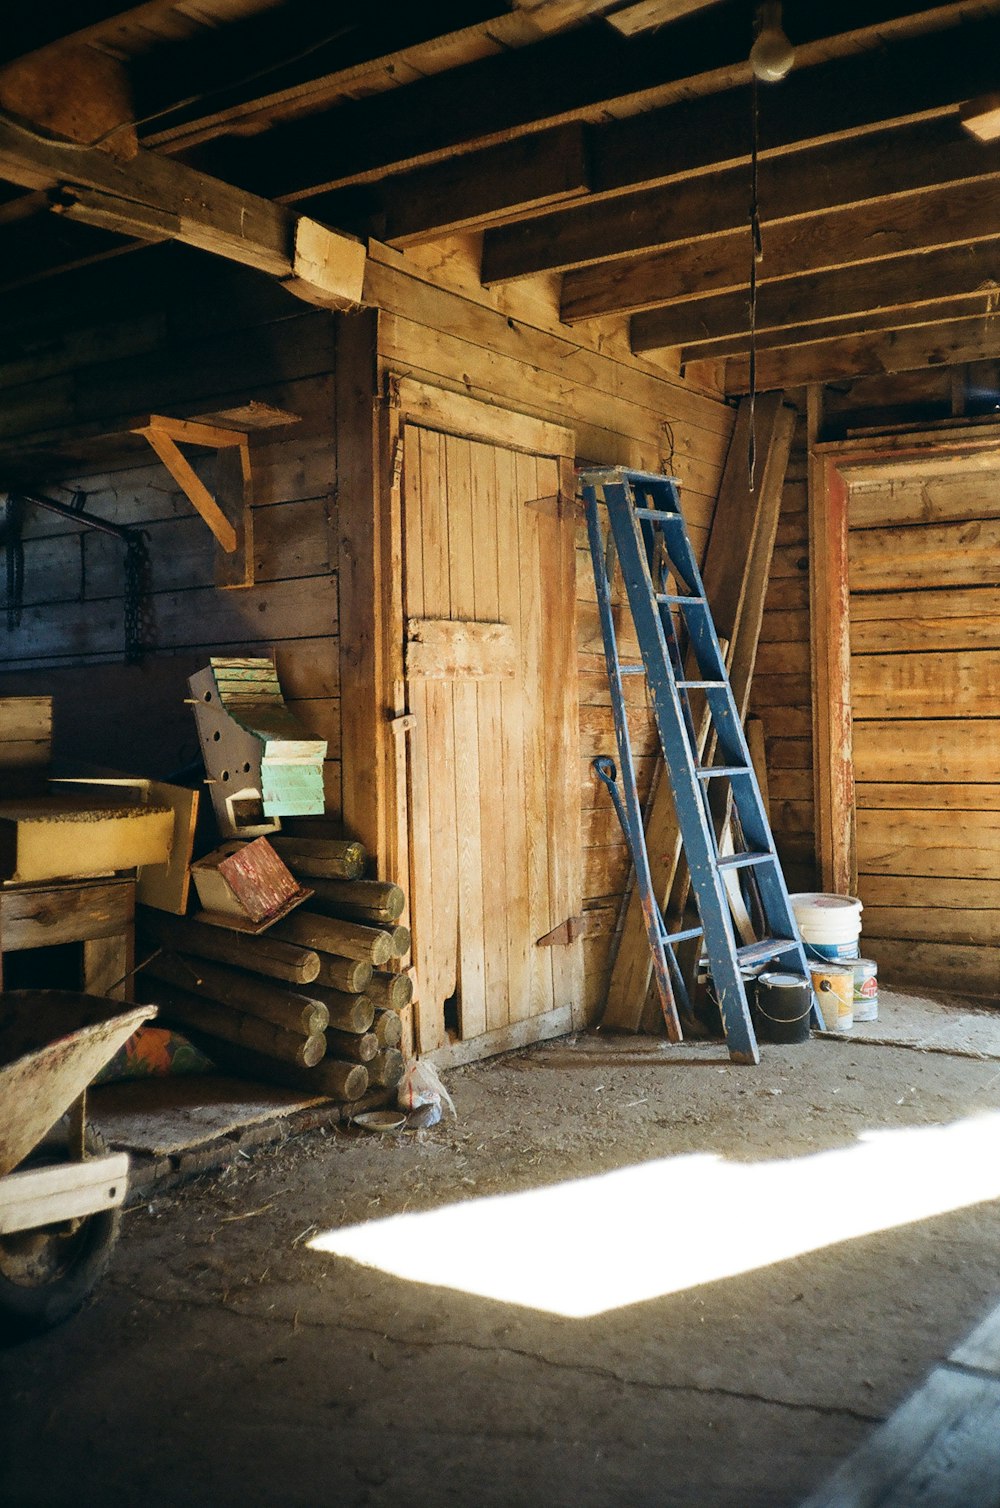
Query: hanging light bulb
[[771, 55]]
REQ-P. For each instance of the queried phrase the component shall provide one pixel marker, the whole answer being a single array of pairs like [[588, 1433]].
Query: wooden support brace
[[231, 525]]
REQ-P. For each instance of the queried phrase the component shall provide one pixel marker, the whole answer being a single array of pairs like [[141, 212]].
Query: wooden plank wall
[[507, 346], [181, 334], [781, 695], [925, 673]]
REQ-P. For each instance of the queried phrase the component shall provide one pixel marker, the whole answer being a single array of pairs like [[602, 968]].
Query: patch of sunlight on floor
[[595, 1244]]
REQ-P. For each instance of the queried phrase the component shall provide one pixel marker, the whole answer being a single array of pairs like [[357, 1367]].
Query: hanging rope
[[756, 255]]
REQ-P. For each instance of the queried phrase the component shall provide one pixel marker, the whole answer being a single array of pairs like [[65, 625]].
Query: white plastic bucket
[[830, 924]]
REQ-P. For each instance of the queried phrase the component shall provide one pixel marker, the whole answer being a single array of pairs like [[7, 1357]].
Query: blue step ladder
[[664, 589]]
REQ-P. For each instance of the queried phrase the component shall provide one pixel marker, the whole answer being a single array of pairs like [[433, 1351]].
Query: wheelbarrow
[[60, 1192]]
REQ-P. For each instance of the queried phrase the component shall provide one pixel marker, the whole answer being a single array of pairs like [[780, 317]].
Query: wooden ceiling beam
[[583, 75], [910, 222], [895, 282], [28, 29], [523, 176], [834, 175], [881, 353], [868, 322], [154, 198], [266, 61]]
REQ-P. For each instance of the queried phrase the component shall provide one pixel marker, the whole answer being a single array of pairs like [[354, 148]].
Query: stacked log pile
[[311, 1003]]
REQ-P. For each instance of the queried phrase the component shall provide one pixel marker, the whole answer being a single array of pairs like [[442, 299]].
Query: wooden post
[[391, 991], [388, 1028], [352, 975], [321, 858], [302, 1014], [348, 1013], [328, 935], [386, 1068], [354, 1047], [830, 644], [365, 731], [263, 955], [242, 1031]]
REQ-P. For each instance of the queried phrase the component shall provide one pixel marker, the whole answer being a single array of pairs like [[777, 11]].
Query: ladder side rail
[[699, 839], [633, 811]]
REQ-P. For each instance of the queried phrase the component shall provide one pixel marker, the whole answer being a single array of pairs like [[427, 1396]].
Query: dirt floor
[[226, 1360]]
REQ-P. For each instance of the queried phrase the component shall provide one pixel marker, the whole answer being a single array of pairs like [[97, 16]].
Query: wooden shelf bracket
[[229, 514]]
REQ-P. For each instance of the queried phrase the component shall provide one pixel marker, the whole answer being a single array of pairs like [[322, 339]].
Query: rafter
[[582, 75], [907, 223], [905, 350], [834, 175], [896, 282], [868, 322]]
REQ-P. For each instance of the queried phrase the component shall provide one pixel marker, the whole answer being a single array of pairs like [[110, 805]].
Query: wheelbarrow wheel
[[47, 1273]]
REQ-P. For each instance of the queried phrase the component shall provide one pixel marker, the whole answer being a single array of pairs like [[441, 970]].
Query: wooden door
[[493, 799]]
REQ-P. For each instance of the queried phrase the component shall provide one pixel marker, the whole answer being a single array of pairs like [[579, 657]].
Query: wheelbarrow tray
[[52, 1044]]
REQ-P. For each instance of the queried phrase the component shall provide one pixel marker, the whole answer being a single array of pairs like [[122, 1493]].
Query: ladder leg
[[632, 818]]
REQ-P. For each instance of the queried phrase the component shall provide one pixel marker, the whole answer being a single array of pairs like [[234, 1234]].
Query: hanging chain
[[756, 255], [14, 543], [137, 619]]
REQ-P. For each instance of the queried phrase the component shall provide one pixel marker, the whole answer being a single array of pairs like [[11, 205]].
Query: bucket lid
[[833, 966], [824, 902], [782, 981]]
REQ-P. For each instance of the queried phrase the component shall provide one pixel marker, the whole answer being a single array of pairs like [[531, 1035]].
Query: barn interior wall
[[172, 332]]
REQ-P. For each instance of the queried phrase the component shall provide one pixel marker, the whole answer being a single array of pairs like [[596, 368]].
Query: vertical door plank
[[534, 669], [429, 1016], [485, 502], [512, 794], [460, 457], [441, 726], [562, 736]]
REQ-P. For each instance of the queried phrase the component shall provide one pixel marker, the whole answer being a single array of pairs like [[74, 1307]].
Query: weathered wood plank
[[954, 684], [932, 843], [963, 554], [926, 750]]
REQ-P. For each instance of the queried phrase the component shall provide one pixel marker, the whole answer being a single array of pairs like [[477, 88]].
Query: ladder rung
[[672, 598], [659, 513], [632, 669], [745, 860], [705, 685], [768, 947], [679, 937], [710, 771]]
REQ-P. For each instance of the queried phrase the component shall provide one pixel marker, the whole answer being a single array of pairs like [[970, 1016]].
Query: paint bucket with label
[[830, 924], [782, 1007], [865, 989], [834, 985]]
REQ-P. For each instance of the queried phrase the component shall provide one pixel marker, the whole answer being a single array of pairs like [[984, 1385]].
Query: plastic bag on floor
[[421, 1086]]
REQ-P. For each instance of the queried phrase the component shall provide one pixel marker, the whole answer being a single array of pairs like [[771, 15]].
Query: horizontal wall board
[[605, 871], [284, 610], [962, 602], [932, 751], [783, 659], [937, 796], [784, 722], [320, 717], [785, 627], [788, 753], [290, 541], [959, 684], [790, 785], [924, 500], [895, 635], [948, 966], [900, 892], [965, 554], [233, 366], [475, 318], [929, 843], [931, 923]]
